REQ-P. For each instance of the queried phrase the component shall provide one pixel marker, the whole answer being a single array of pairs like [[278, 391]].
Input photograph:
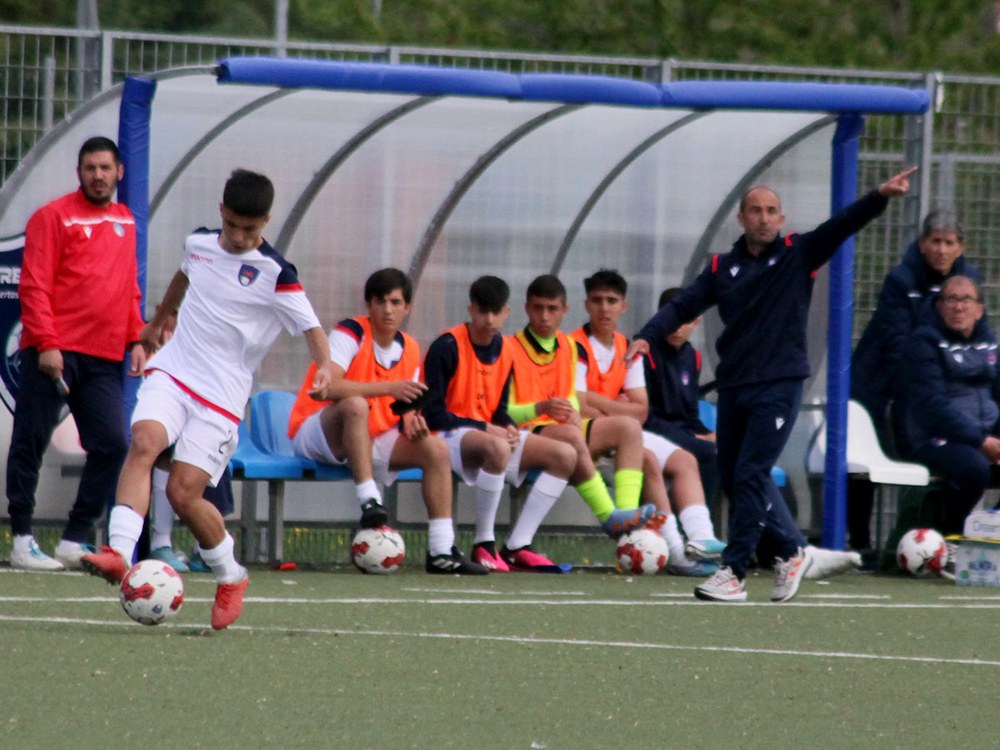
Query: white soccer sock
[[539, 502], [697, 523], [222, 562], [162, 521], [489, 489], [440, 536], [675, 542], [124, 530], [367, 490]]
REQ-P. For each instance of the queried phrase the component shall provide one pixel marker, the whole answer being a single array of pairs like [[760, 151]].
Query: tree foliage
[[951, 35]]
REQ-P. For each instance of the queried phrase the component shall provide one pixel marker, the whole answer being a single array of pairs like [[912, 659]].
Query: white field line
[[522, 640], [687, 601]]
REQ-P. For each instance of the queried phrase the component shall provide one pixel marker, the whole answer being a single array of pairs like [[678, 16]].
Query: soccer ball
[[922, 552], [642, 552], [379, 550], [151, 592]]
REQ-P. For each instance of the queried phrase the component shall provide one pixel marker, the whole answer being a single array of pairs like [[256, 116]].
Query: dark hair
[[98, 143], [547, 286], [944, 220], [248, 193], [668, 294], [606, 278], [489, 293], [386, 281]]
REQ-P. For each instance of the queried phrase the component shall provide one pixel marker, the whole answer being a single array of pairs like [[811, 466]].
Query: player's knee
[[562, 460], [145, 446], [352, 407], [496, 454], [437, 450], [682, 462]]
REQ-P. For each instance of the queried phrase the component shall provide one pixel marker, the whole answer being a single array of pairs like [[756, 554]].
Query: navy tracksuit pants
[[968, 475], [95, 400], [754, 424]]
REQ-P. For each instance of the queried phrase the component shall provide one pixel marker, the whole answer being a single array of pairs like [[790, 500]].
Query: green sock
[[595, 494], [628, 488]]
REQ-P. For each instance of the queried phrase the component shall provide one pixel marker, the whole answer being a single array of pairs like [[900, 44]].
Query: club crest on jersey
[[119, 229], [685, 378], [734, 270], [248, 274], [779, 422]]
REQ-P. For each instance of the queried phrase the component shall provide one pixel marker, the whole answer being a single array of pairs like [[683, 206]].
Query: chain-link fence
[[46, 73]]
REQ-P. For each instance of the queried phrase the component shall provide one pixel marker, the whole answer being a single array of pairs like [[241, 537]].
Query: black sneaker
[[454, 563], [373, 514]]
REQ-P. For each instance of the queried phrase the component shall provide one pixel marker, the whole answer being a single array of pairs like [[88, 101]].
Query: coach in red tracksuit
[[762, 287], [81, 314]]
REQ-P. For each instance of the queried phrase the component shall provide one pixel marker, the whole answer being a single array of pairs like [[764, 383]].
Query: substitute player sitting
[[608, 386], [238, 294], [351, 421], [543, 398], [467, 370]]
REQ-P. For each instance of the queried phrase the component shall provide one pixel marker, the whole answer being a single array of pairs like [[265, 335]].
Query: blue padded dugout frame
[[848, 101]]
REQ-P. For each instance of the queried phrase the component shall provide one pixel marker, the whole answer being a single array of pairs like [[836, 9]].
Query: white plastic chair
[[865, 457]]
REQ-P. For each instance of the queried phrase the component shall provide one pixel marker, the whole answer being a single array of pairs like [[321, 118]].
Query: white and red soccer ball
[[151, 592], [922, 552], [380, 550], [642, 552]]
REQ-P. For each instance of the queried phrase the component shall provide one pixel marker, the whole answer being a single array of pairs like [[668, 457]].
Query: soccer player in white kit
[[238, 294]]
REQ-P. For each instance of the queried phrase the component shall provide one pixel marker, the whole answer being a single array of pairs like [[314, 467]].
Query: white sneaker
[[69, 553], [724, 586], [831, 562], [29, 557], [788, 574]]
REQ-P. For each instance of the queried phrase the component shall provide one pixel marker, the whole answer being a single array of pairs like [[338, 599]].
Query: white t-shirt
[[234, 309], [635, 375]]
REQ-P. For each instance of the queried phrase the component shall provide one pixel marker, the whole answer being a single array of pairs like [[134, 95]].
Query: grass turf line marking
[[487, 592], [282, 630], [687, 601]]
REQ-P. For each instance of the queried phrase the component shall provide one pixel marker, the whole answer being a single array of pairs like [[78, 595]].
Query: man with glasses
[[952, 401]]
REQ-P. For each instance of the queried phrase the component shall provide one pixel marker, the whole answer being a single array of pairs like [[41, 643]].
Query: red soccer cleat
[[228, 603], [106, 563]]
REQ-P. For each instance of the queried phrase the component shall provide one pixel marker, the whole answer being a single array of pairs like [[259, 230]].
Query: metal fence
[[45, 73]]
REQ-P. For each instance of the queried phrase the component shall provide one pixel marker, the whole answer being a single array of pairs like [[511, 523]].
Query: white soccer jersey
[[234, 309]]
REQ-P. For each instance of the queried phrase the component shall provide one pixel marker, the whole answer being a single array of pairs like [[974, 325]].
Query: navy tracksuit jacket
[[952, 392], [875, 377]]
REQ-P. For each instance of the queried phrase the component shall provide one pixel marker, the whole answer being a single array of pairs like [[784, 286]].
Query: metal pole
[[281, 28]]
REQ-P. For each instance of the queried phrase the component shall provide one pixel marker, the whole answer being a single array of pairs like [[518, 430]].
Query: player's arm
[[820, 244], [688, 305], [501, 417], [319, 350], [154, 332], [439, 368]]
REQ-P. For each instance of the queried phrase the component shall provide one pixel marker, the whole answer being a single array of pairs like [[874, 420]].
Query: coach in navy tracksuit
[[952, 389], [875, 379], [762, 287]]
